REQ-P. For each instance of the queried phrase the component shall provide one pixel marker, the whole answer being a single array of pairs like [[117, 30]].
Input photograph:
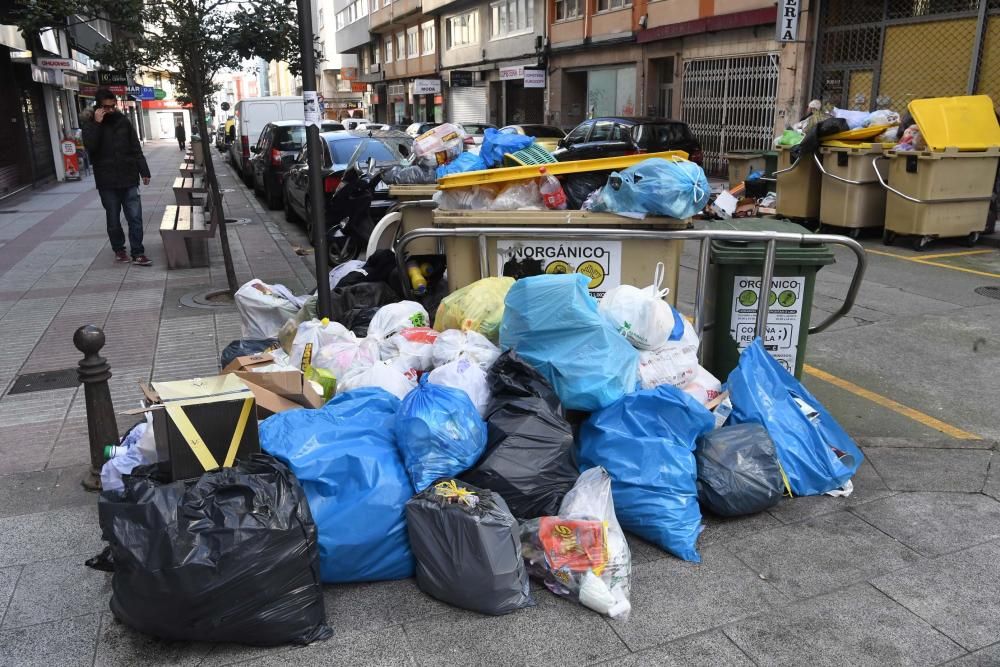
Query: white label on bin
[[601, 261], [784, 316]]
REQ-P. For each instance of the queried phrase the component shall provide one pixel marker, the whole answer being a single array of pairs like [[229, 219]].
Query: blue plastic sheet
[[646, 442], [815, 452], [345, 456], [496, 144], [552, 322], [440, 433], [464, 162], [677, 189]]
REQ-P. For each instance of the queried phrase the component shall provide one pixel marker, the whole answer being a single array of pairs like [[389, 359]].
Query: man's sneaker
[[122, 256], [142, 260]]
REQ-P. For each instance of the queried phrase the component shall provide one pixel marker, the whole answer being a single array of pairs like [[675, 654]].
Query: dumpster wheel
[[972, 239], [888, 237], [920, 243]]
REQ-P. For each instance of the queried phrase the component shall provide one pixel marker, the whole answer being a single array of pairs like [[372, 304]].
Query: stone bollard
[[94, 373]]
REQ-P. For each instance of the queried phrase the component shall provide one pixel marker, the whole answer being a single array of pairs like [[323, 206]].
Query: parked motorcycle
[[357, 205]]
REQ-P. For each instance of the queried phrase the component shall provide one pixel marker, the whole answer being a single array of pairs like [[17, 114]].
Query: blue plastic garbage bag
[[344, 455], [646, 442], [464, 162], [815, 452], [677, 189], [552, 322], [496, 144], [439, 433]]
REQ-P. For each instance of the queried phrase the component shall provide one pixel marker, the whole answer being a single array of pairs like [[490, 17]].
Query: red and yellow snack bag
[[574, 545]]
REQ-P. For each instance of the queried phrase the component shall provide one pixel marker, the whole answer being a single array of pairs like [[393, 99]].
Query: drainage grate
[[991, 291], [44, 381]]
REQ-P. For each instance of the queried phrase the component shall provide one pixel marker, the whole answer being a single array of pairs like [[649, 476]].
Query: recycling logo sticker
[[784, 315], [599, 261]]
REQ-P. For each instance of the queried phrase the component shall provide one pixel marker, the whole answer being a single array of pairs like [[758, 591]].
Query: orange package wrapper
[[574, 545]]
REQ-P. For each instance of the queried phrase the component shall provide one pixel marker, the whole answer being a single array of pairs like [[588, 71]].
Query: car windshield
[[382, 150], [290, 138], [661, 135], [543, 131], [475, 128]]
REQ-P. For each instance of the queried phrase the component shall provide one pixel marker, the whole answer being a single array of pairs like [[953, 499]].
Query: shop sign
[[62, 64], [88, 90], [49, 77], [115, 81], [511, 73], [460, 77], [788, 20], [141, 92], [534, 78], [600, 261], [426, 86], [359, 87], [784, 316], [71, 163], [164, 104], [159, 94]]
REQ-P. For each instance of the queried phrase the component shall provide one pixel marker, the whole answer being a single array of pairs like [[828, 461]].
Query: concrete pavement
[[903, 572]]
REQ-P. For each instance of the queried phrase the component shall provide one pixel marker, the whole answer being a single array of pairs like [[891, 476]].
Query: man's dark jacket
[[179, 132], [115, 152]]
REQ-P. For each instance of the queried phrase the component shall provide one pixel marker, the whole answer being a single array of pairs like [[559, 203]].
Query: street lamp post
[[317, 211]]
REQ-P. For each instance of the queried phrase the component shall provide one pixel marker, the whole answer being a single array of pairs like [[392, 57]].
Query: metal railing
[[915, 200], [704, 236], [819, 163]]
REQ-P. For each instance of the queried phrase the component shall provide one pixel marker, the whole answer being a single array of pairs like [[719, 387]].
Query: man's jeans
[[116, 200]]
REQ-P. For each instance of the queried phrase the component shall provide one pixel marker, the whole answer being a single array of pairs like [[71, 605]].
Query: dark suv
[[617, 135], [279, 144]]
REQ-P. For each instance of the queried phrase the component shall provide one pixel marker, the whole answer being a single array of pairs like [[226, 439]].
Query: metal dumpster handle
[[774, 176], [705, 236], [955, 200], [819, 163]]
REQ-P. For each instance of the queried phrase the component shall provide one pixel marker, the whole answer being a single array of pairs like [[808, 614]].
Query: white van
[[251, 115]]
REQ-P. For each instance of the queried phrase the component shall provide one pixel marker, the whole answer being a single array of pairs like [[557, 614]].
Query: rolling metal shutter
[[467, 104]]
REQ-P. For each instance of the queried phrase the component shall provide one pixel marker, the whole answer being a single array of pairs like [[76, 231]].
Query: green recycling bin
[[734, 287]]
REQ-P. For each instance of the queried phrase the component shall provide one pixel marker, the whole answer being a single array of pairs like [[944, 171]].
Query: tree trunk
[[212, 185]]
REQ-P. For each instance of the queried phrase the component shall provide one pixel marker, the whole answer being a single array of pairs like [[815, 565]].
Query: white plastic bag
[[675, 362], [310, 338], [703, 386], [338, 272], [141, 450], [454, 344], [411, 350], [264, 308], [380, 374], [641, 315], [466, 375], [346, 353], [390, 319]]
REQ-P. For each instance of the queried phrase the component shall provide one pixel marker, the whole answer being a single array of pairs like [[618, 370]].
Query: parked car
[[354, 123], [545, 136], [340, 150], [476, 132], [416, 129], [279, 144], [615, 136], [250, 116]]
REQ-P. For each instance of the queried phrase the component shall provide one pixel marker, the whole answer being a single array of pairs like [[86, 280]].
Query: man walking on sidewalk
[[180, 134], [116, 155]]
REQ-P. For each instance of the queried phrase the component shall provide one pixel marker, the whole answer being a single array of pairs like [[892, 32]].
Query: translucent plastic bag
[[517, 196], [345, 354], [439, 433], [646, 441], [815, 452], [310, 337], [476, 307], [344, 455], [466, 375], [582, 554], [641, 315], [552, 322], [674, 188], [264, 308], [380, 374], [439, 145], [453, 344], [411, 350], [473, 198], [394, 317]]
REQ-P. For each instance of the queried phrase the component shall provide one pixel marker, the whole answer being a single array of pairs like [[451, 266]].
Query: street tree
[[193, 39]]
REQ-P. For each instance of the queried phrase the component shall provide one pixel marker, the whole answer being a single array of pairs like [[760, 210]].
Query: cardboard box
[[275, 391], [202, 424]]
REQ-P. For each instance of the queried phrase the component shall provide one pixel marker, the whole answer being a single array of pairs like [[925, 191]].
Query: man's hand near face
[[99, 114]]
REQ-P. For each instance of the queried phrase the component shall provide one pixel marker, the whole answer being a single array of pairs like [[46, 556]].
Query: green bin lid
[[742, 252]]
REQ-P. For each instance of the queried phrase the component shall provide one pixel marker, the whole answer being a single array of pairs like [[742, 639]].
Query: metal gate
[[885, 54], [467, 104], [729, 104]]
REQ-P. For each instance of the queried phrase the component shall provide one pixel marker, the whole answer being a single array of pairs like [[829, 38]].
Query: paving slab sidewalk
[[901, 573]]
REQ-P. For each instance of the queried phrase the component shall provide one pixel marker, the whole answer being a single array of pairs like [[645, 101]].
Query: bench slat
[[184, 219], [169, 221], [197, 221]]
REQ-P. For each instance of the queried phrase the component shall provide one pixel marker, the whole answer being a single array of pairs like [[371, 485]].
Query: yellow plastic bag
[[476, 307]]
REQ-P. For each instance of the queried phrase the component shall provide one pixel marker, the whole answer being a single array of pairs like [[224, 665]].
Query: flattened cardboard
[[289, 385], [249, 361]]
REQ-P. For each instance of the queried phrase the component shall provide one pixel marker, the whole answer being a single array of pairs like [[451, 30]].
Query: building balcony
[[388, 15], [567, 32], [410, 67]]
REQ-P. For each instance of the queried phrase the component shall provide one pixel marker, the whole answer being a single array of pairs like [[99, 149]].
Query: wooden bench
[[189, 170], [185, 231], [186, 187]]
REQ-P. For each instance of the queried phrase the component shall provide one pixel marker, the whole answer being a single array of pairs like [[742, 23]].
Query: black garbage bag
[[355, 305], [412, 174], [379, 268], [529, 457], [242, 347], [579, 186], [228, 557], [468, 548], [824, 128], [738, 470]]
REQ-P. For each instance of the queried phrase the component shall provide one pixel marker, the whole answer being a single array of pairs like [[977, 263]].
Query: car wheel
[[271, 198], [345, 252]]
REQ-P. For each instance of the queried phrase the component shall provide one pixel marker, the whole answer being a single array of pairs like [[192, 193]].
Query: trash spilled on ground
[[470, 433]]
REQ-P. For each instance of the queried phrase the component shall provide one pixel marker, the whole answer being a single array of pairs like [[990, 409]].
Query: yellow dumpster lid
[[859, 134], [967, 123]]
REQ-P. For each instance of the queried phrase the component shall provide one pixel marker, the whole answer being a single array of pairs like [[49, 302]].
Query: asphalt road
[[917, 357]]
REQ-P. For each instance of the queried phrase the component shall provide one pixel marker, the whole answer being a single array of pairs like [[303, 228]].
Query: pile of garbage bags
[[516, 433]]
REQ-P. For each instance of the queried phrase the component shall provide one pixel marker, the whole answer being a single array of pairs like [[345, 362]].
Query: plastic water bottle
[[552, 191], [114, 451], [417, 280]]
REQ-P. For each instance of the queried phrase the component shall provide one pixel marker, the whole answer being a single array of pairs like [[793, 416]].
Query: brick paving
[[904, 572]]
